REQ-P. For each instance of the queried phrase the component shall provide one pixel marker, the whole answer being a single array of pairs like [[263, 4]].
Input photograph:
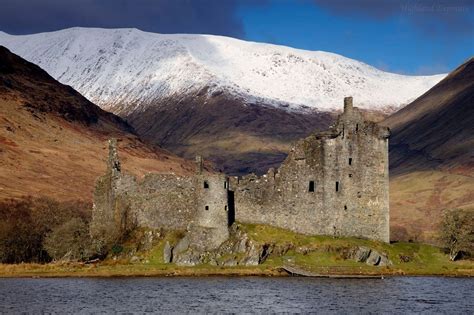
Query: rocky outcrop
[[368, 256], [237, 250]]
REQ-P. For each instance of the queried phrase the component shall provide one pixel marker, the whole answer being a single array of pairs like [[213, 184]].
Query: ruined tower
[[110, 210], [331, 183]]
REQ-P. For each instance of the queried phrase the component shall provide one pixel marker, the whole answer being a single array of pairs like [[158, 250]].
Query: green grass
[[318, 254], [326, 254]]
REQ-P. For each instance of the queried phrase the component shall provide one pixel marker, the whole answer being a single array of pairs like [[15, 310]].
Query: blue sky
[[403, 36], [393, 42]]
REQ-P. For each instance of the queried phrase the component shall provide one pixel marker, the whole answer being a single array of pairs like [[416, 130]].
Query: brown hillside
[[432, 156], [437, 129], [239, 138], [53, 140]]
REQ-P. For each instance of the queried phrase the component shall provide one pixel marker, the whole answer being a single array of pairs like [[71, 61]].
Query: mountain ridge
[[128, 66]]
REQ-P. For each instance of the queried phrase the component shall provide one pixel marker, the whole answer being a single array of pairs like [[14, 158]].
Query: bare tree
[[457, 232]]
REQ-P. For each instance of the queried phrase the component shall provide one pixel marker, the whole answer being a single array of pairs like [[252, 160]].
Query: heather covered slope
[[432, 156], [238, 138], [437, 129], [53, 140]]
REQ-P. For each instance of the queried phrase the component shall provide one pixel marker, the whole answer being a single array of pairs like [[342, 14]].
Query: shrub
[[70, 241], [25, 223], [117, 249], [457, 232]]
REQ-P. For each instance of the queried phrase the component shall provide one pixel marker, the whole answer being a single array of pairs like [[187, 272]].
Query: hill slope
[[53, 140], [432, 154], [240, 104], [437, 129]]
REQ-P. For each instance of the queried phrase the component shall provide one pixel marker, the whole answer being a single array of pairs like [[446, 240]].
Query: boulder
[[369, 256], [361, 254], [373, 259], [188, 258], [384, 261], [241, 246], [230, 262], [182, 246], [167, 253], [135, 259], [252, 257]]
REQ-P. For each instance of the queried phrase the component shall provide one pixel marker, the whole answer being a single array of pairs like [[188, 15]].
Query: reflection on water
[[239, 295]]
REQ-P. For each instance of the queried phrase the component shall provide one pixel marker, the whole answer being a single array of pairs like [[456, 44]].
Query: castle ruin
[[332, 183]]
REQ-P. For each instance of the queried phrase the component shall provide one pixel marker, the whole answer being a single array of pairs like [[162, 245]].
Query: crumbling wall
[[159, 201], [164, 201], [111, 215], [347, 170]]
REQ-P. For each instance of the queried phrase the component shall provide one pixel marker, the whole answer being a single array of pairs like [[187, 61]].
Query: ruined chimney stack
[[199, 164], [348, 104], [113, 162]]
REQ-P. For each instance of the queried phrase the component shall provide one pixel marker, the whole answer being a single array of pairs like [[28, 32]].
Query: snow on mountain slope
[[132, 67]]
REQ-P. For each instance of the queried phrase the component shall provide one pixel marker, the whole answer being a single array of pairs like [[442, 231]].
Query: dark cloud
[[432, 17], [165, 16]]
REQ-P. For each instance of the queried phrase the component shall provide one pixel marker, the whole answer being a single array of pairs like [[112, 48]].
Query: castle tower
[[356, 176], [109, 220], [212, 191], [331, 183]]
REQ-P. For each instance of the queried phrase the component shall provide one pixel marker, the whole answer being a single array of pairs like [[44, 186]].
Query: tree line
[[42, 229]]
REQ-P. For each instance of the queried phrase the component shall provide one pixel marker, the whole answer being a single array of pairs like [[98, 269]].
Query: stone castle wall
[[158, 201], [332, 183]]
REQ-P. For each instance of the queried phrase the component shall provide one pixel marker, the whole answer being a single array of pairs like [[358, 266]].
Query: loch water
[[394, 295]]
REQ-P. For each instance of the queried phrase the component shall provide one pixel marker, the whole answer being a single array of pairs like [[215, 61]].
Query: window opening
[[311, 186], [206, 184], [207, 207], [350, 161], [337, 186]]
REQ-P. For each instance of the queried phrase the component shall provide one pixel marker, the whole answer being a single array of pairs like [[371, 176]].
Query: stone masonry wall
[[166, 201], [347, 169]]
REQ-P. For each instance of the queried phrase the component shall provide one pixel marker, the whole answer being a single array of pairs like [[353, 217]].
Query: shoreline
[[130, 271]]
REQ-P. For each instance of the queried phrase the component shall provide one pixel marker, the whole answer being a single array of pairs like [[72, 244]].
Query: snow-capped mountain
[[115, 67]]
